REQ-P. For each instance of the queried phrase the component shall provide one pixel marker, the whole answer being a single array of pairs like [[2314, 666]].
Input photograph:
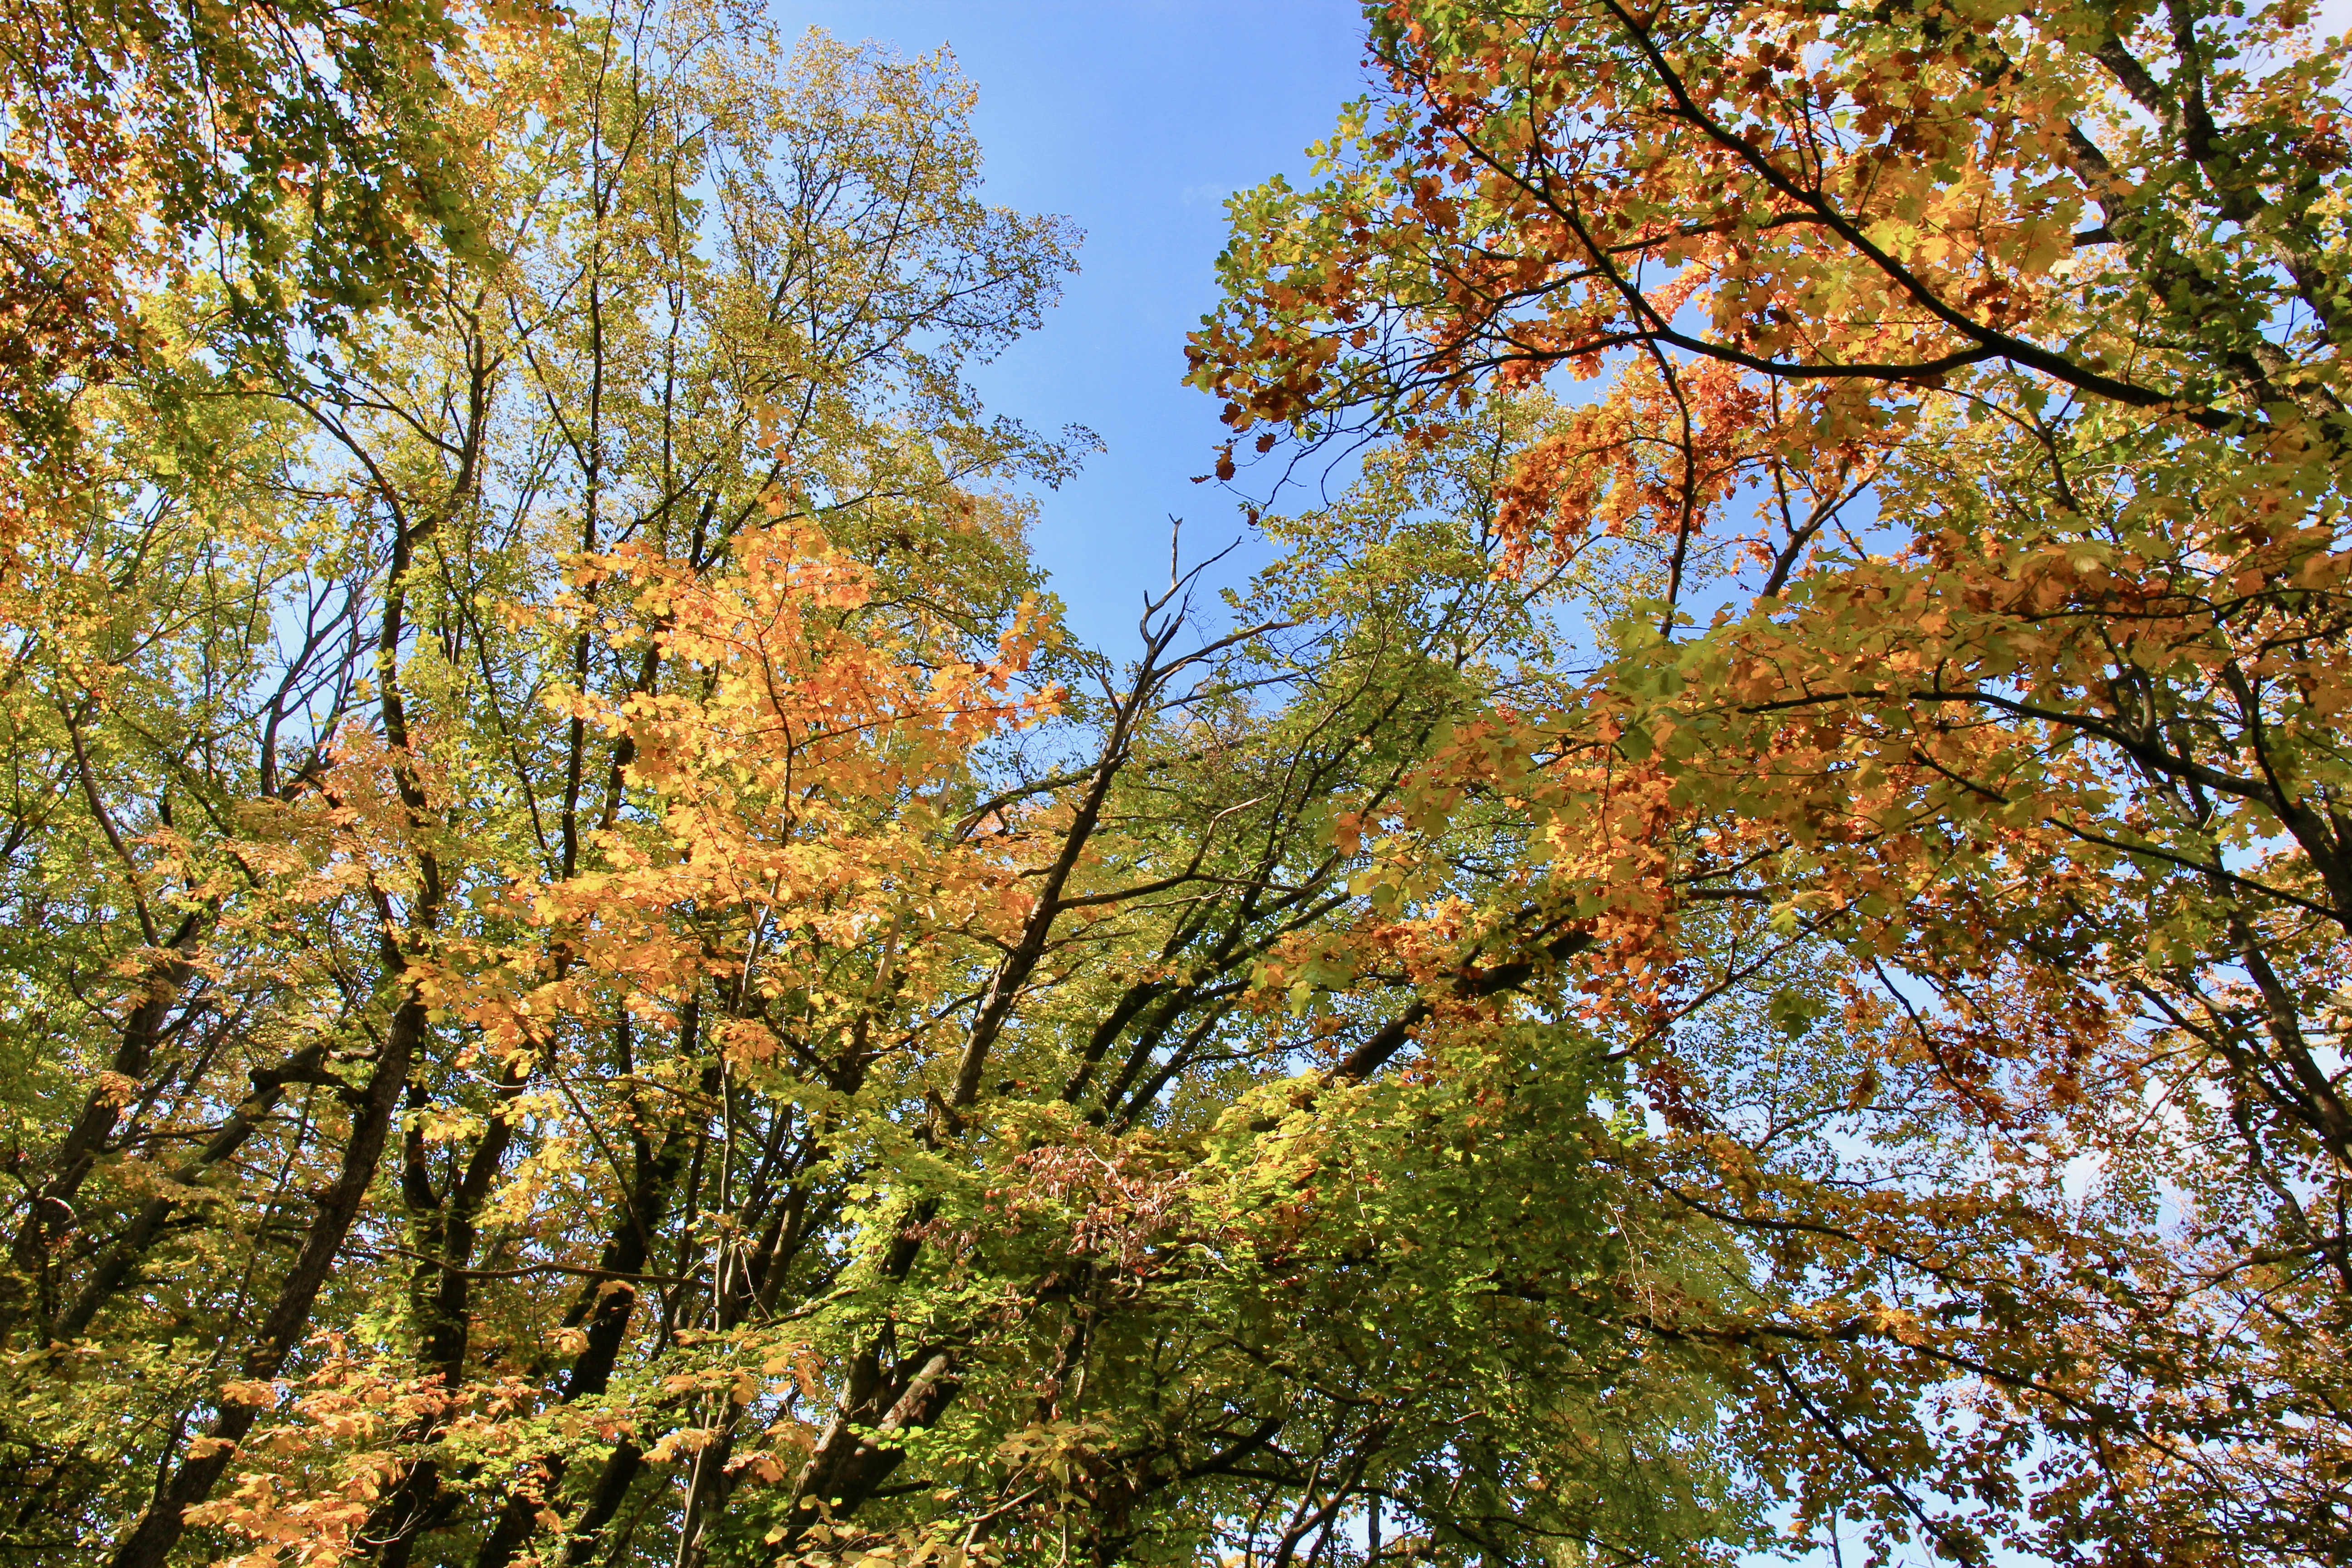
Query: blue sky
[[1135, 119]]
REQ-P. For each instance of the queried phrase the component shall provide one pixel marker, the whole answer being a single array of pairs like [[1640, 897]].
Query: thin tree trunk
[[158, 1529]]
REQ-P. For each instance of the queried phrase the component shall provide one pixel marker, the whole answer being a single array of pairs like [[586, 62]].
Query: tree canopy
[[1738, 945]]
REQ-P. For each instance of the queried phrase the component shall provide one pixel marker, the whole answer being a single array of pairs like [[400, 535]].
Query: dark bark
[[149, 1542]]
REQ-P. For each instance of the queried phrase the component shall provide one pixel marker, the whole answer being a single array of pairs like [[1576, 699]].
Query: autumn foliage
[[1971, 381], [1738, 946]]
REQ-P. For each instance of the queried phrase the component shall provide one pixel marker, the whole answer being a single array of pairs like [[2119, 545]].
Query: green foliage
[[1961, 821], [593, 977]]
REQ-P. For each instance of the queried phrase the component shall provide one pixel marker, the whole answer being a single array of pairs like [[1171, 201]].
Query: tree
[[293, 148], [1969, 801], [591, 976]]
